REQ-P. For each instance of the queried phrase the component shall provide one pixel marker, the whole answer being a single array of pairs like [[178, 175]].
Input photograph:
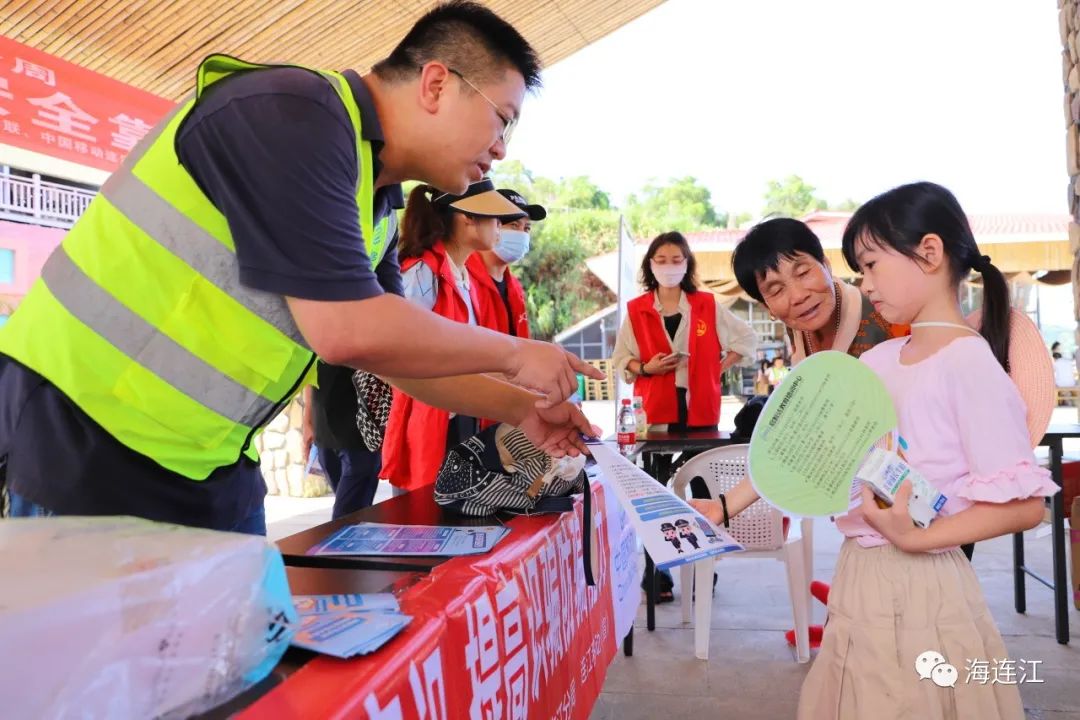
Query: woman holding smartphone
[[677, 341]]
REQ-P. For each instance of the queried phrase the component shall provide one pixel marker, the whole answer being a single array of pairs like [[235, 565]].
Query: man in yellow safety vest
[[248, 234]]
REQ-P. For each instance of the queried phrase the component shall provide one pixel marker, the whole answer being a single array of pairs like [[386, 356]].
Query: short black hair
[[766, 244], [689, 281], [466, 36]]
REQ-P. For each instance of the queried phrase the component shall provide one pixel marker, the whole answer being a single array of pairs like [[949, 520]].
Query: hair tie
[[982, 264]]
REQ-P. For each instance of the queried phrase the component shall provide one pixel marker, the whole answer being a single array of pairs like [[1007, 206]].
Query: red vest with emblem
[[415, 442], [658, 391], [492, 308]]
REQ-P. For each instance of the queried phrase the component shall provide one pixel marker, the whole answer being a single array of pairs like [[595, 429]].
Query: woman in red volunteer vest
[[677, 341], [439, 232], [502, 299]]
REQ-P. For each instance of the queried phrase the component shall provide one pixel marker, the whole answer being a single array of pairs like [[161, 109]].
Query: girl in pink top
[[899, 590]]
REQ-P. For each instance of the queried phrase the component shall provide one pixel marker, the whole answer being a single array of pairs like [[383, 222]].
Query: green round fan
[[814, 432]]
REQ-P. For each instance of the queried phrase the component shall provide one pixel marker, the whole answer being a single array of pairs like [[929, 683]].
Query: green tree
[[743, 218], [545, 191], [575, 192], [581, 193], [681, 204], [595, 230], [559, 288], [513, 174], [792, 197], [581, 223]]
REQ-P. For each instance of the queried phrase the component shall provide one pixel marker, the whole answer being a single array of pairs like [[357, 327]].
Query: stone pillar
[[281, 447], [1069, 25]]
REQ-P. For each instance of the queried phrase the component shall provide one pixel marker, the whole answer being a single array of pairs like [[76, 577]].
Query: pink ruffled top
[[965, 426]]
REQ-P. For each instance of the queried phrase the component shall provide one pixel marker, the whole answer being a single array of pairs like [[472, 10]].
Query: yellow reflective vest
[[140, 318]]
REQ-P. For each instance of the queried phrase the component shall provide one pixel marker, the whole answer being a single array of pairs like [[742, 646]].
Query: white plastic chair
[[759, 528]]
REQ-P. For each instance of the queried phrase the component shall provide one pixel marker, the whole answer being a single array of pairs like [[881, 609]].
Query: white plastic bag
[[119, 617]]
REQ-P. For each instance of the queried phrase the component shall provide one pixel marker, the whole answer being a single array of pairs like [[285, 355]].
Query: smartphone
[[680, 355]]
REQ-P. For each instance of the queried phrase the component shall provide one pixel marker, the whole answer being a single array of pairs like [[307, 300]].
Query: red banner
[[513, 635], [53, 107]]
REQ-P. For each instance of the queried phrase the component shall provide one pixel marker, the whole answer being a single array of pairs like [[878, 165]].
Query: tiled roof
[[829, 226]]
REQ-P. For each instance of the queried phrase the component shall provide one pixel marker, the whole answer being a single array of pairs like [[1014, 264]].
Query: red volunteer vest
[[658, 391], [415, 442], [492, 308]]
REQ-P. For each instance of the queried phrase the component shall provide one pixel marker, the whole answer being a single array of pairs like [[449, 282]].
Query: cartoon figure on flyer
[[687, 532], [672, 536]]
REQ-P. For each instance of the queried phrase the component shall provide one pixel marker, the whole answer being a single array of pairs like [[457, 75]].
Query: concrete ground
[[751, 672]]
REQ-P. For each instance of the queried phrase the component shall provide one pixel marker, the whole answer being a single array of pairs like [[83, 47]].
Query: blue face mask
[[512, 246]]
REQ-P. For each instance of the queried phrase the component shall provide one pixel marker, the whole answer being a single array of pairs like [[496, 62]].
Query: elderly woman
[[781, 264]]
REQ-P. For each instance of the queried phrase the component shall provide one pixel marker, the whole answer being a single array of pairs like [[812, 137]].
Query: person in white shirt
[[677, 340], [675, 345], [1064, 368]]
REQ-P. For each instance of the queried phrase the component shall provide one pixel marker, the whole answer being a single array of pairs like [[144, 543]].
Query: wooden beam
[[156, 45]]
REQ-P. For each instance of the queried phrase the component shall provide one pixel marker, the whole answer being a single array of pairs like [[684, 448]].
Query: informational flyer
[[378, 539], [322, 604], [814, 433], [313, 466], [672, 531], [346, 633]]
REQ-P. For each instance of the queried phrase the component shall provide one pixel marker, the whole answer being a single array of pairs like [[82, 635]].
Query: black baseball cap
[[535, 212]]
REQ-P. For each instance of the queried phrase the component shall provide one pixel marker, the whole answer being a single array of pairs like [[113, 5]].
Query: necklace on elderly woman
[[808, 338]]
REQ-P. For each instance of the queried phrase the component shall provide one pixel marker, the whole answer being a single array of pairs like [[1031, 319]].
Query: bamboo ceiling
[[156, 45]]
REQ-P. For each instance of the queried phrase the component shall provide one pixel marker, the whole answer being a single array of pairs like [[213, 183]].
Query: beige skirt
[[886, 609]]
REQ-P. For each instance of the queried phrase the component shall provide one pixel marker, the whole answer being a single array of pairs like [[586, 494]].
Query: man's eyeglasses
[[509, 123]]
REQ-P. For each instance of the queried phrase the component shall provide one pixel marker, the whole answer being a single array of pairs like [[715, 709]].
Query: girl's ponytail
[[422, 223], [995, 309]]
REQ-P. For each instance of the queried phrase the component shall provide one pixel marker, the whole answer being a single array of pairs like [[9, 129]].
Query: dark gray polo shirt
[[275, 152]]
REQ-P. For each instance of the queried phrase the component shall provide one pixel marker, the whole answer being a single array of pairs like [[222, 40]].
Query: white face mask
[[512, 245], [669, 276]]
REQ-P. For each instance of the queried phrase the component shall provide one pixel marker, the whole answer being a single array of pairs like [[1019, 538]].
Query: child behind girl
[[900, 590]]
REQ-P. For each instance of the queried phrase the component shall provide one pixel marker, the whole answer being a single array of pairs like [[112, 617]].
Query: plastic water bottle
[[627, 428], [639, 414]]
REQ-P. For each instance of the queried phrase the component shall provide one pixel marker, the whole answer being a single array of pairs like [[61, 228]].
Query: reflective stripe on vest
[[376, 246], [156, 352], [202, 251], [141, 319]]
